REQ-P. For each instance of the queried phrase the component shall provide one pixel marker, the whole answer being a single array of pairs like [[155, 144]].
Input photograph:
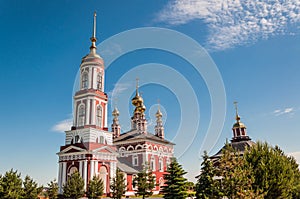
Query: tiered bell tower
[[88, 145], [239, 129]]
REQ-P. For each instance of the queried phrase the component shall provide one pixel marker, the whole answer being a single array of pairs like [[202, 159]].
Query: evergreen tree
[[236, 180], [118, 185], [145, 182], [74, 187], [30, 188], [95, 188], [206, 186], [11, 185], [275, 174], [52, 191], [174, 182]]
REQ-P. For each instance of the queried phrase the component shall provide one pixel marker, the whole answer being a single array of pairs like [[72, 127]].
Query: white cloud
[[288, 111], [296, 155], [63, 125], [233, 22], [118, 89]]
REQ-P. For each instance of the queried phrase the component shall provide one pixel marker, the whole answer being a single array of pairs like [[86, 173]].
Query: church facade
[[93, 150]]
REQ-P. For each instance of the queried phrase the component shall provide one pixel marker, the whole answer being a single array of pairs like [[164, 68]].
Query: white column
[[85, 173], [80, 168], [64, 173], [93, 111], [59, 178], [95, 78], [87, 111], [105, 119], [92, 169], [96, 168], [90, 77]]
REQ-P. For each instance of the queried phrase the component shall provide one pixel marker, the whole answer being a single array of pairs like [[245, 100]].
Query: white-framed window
[[77, 139], [135, 160], [101, 139], [84, 80], [99, 81], [81, 115], [161, 164], [152, 163], [99, 116]]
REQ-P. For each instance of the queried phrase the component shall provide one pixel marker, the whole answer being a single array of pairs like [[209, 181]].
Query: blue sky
[[254, 44]]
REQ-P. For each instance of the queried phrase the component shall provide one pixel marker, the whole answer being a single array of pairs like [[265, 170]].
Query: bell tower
[[90, 102], [239, 129], [88, 145]]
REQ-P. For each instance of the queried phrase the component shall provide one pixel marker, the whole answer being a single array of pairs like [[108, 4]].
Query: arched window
[[99, 81], [161, 164], [101, 139], [77, 139], [152, 163], [135, 160], [81, 115], [99, 116], [84, 80]]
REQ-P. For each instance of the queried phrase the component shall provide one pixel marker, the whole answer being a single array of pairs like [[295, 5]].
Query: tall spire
[[93, 38]]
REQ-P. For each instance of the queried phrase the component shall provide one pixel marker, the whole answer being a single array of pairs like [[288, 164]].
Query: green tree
[[206, 186], [275, 174], [118, 185], [52, 191], [145, 182], [74, 187], [95, 188], [11, 185], [174, 181], [30, 188], [236, 179]]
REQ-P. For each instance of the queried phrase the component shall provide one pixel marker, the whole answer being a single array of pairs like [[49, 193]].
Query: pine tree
[[74, 187], [30, 188], [276, 175], [52, 191], [95, 188], [206, 186], [145, 182], [11, 185], [118, 185], [174, 182]]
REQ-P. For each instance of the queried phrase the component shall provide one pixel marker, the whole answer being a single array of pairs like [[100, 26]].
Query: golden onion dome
[[142, 108], [158, 113], [137, 100], [115, 112], [239, 125]]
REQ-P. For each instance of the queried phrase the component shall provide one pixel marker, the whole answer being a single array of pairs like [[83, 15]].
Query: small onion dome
[[158, 113], [137, 100], [239, 125], [115, 112], [142, 108]]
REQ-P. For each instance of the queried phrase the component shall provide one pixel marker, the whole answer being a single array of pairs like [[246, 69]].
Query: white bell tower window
[[99, 116], [81, 115], [84, 80], [99, 81]]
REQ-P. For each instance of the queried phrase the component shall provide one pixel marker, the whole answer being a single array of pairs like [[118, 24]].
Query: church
[[92, 149]]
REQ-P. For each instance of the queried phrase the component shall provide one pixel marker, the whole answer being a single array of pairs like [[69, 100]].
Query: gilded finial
[[93, 38], [137, 86], [237, 117], [94, 25]]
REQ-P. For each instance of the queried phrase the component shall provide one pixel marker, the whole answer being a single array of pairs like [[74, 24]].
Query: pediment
[[71, 149], [105, 149]]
